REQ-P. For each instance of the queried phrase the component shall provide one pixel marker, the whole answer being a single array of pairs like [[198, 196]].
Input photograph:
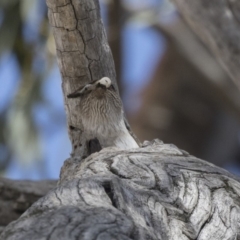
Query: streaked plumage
[[102, 115]]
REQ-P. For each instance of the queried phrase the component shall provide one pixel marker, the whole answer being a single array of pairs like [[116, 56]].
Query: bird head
[[98, 88], [99, 101]]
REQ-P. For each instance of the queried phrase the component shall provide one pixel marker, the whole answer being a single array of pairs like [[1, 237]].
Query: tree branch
[[17, 196], [154, 192]]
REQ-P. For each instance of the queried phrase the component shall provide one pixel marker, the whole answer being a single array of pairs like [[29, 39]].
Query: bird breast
[[101, 114], [102, 118]]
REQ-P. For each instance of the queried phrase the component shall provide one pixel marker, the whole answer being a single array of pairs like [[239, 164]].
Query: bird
[[102, 115]]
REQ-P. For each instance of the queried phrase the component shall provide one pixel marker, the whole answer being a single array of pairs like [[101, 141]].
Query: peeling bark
[[217, 24], [154, 192]]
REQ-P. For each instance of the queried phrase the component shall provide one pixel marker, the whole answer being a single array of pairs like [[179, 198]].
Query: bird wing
[[131, 132]]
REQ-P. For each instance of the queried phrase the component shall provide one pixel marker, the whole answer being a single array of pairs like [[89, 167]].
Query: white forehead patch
[[105, 81]]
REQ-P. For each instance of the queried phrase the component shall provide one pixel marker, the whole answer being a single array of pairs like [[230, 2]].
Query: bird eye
[[112, 88]]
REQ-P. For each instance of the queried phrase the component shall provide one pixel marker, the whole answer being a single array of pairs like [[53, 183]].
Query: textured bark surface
[[154, 192], [17, 196], [217, 23], [83, 55]]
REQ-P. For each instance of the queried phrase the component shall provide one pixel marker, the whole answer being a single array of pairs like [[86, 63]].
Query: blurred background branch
[[17, 196], [216, 23]]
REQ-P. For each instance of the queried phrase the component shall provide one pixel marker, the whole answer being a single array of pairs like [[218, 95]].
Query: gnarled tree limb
[[155, 192]]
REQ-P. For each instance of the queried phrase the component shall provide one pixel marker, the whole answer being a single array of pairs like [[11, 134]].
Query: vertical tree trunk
[[83, 56]]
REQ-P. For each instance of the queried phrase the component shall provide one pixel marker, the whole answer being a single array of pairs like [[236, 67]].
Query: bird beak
[[74, 95], [103, 83]]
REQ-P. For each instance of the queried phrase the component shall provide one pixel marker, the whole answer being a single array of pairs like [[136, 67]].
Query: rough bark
[[83, 55], [154, 192], [217, 24], [17, 196]]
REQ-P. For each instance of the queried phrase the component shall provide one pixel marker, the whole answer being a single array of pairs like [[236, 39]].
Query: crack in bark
[[109, 191], [56, 7], [79, 194], [63, 5], [59, 199], [75, 15]]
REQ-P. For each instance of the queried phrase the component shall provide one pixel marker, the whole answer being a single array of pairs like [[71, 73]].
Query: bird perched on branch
[[102, 115]]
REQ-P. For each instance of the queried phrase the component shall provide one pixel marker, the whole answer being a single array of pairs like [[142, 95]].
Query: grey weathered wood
[[217, 23], [83, 55], [17, 196], [154, 192]]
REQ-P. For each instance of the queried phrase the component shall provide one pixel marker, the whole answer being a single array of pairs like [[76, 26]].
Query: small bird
[[102, 115]]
